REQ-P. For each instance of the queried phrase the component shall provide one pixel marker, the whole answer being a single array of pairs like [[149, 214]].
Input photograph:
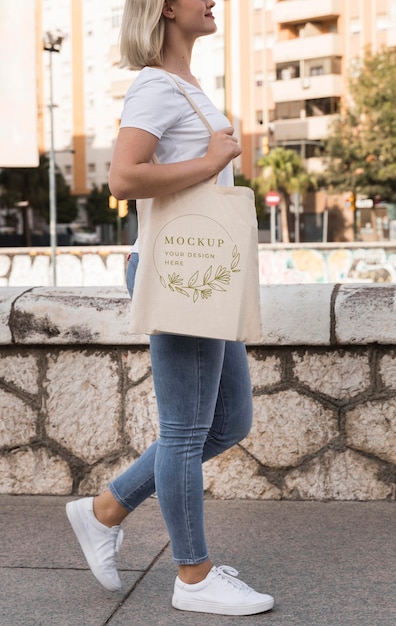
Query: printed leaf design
[[236, 257], [207, 276], [210, 283], [193, 279], [182, 291]]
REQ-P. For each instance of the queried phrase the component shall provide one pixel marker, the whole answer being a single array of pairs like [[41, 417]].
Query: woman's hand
[[223, 148]]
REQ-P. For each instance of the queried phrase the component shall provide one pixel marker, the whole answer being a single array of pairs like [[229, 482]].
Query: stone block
[[234, 474], [387, 370], [20, 371], [287, 427], [83, 403], [337, 476], [371, 428], [264, 370], [137, 364], [33, 472], [17, 421], [365, 314], [338, 374], [296, 314], [101, 474], [7, 299], [85, 315]]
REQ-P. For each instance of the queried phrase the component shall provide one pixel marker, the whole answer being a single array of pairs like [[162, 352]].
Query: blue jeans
[[204, 400]]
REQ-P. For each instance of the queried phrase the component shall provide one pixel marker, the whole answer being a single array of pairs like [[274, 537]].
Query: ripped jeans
[[204, 400]]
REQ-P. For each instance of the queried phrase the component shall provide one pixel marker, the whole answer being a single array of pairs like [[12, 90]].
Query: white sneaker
[[99, 543], [221, 593]]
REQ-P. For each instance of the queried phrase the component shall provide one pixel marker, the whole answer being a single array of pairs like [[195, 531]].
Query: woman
[[202, 386]]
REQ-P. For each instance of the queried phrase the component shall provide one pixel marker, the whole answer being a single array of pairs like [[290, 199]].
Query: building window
[[219, 82], [260, 117], [322, 106], [287, 71], [68, 170], [116, 16], [289, 110], [316, 70], [91, 168], [259, 80], [355, 26]]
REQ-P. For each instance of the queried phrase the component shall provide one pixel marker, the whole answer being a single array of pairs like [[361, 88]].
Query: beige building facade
[[288, 71], [279, 69]]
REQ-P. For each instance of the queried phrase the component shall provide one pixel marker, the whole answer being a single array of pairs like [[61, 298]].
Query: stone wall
[[278, 264], [77, 403]]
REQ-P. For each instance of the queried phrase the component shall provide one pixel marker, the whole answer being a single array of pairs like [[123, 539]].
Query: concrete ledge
[[292, 315]]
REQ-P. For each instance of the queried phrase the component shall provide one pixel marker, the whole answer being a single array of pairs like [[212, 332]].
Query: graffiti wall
[[327, 264], [278, 264]]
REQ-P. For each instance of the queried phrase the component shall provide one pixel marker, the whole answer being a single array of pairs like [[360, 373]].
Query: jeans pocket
[[131, 272]]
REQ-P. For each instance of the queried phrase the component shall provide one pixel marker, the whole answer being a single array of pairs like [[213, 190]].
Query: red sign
[[272, 198]]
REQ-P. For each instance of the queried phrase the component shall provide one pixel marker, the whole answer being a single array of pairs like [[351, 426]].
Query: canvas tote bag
[[198, 263]]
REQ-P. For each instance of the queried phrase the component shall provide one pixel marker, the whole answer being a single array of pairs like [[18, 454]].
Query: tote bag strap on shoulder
[[196, 109], [193, 104]]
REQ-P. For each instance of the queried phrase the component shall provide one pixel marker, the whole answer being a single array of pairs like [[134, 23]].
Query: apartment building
[[291, 65], [89, 87], [279, 69]]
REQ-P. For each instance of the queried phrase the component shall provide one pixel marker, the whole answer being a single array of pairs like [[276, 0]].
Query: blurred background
[[309, 87]]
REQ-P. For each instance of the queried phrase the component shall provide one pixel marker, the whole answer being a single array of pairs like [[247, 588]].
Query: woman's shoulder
[[151, 79]]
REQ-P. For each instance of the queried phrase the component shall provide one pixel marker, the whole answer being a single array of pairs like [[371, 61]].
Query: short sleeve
[[150, 105]]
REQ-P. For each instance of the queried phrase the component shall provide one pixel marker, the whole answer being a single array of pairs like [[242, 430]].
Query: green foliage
[[284, 171], [97, 207], [31, 184], [257, 186], [360, 152]]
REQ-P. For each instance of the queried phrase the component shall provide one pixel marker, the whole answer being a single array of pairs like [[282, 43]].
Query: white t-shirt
[[154, 103]]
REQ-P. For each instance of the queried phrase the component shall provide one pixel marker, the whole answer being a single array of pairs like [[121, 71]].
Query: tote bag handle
[[196, 109]]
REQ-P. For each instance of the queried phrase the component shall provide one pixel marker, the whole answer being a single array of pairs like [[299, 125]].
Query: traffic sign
[[365, 203], [272, 198]]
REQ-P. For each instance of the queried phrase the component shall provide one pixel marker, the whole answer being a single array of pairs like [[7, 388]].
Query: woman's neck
[[179, 65]]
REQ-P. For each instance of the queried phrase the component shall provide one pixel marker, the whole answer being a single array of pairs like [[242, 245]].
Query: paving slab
[[326, 563]]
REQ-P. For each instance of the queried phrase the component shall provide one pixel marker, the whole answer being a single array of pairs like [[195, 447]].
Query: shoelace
[[228, 575]]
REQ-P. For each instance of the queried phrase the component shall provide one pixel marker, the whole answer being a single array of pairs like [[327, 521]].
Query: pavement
[[326, 564]]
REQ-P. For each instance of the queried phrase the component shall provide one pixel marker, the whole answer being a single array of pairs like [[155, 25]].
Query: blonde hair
[[142, 33]]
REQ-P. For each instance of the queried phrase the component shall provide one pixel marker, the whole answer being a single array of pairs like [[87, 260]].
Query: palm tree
[[284, 171]]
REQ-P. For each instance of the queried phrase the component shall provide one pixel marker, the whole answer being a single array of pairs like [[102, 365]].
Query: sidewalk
[[326, 564]]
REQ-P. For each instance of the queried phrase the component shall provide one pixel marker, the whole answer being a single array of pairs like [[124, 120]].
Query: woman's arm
[[132, 176]]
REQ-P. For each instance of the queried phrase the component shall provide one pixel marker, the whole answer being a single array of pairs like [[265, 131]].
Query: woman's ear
[[167, 10]]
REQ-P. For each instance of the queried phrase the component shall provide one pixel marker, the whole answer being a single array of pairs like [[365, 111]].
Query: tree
[[97, 207], [31, 184], [256, 185], [284, 171], [361, 148]]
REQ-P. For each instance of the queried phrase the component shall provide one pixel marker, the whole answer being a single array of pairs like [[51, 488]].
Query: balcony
[[308, 48], [299, 11], [307, 88], [309, 128]]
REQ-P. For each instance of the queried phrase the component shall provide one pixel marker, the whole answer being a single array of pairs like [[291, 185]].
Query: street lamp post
[[52, 43]]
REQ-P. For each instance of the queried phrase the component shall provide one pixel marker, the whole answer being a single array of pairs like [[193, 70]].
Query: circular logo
[[195, 256]]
